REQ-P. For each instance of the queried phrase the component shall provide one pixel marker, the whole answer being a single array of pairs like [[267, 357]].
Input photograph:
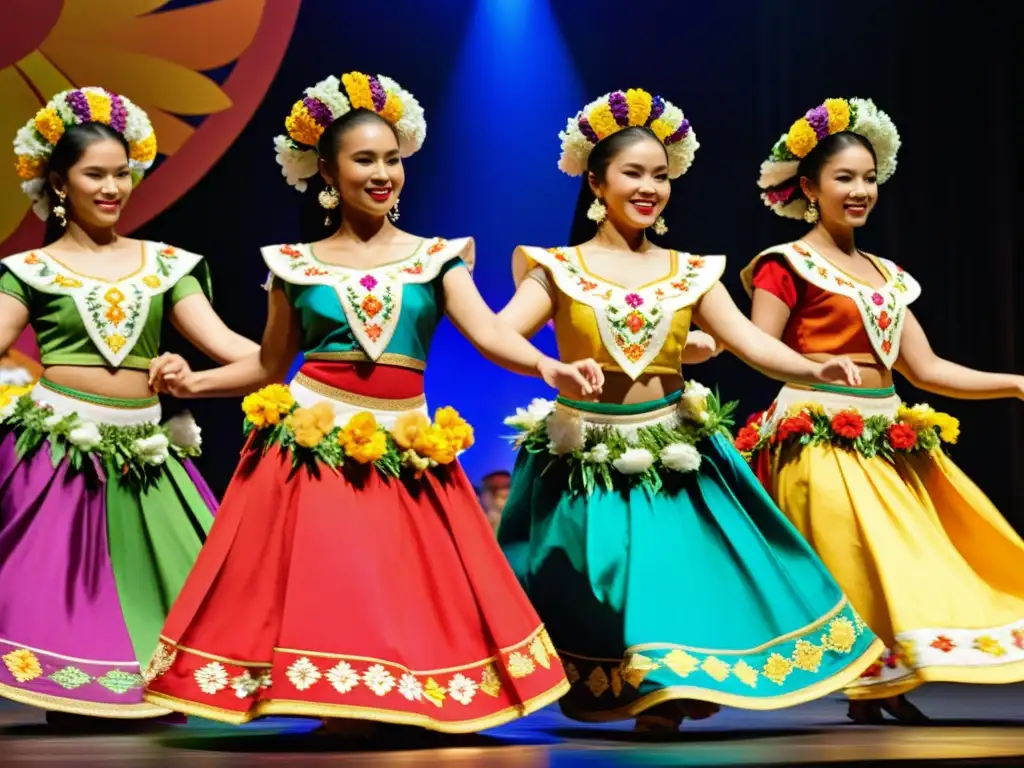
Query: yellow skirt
[[923, 555]]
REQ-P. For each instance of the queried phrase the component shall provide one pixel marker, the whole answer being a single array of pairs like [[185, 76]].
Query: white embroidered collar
[[371, 299], [634, 323], [114, 312], [881, 309]]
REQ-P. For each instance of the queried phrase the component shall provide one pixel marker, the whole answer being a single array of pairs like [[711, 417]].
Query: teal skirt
[[698, 590]]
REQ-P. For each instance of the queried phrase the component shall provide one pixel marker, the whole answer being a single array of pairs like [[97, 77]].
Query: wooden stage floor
[[972, 726]]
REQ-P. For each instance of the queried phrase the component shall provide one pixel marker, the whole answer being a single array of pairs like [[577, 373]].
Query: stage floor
[[973, 726]]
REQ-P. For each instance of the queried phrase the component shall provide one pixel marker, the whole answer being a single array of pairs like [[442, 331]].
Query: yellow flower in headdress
[[639, 102], [393, 109], [144, 151], [28, 167], [838, 115], [602, 121], [99, 107], [801, 138], [357, 86], [302, 127], [49, 125]]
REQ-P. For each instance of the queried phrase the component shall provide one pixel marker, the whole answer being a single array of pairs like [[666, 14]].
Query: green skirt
[[698, 590]]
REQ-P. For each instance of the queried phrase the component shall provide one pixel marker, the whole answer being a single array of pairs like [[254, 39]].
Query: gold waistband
[[619, 419], [359, 401], [358, 356]]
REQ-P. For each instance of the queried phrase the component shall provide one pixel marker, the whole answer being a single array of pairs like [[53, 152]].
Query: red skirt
[[353, 595]]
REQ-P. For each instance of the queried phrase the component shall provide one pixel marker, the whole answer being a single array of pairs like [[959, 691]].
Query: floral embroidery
[[371, 299], [1018, 638], [303, 674], [882, 309], [462, 689], [434, 692], [113, 314], [716, 668], [540, 653], [245, 685], [212, 678], [681, 662], [807, 656], [777, 668], [378, 679], [119, 681], [598, 682], [746, 673], [161, 661], [636, 667], [490, 683], [989, 645], [410, 687], [520, 665], [943, 643], [633, 323], [342, 677], [23, 665], [70, 678]]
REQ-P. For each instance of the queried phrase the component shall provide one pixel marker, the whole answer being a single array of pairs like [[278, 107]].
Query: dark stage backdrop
[[498, 80]]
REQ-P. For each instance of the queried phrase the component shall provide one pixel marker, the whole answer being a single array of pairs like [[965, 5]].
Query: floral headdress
[[778, 173], [34, 143], [624, 109], [328, 100]]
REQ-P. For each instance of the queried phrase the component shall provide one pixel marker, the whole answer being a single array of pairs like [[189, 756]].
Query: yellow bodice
[[628, 330]]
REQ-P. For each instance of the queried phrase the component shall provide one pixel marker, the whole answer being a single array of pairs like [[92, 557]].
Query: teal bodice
[[388, 314]]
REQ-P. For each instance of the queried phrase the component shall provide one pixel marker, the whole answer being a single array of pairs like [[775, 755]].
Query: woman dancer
[[351, 572], [669, 581], [926, 559], [101, 512]]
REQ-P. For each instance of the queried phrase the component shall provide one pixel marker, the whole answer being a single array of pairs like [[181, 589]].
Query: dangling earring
[[811, 215], [393, 214], [597, 212], [58, 210], [328, 201], [660, 227]]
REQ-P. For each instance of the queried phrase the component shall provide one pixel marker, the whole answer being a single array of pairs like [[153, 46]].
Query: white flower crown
[[35, 141], [779, 172], [624, 109], [328, 100]]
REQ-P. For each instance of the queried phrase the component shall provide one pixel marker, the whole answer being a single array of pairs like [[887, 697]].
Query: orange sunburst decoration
[[158, 58]]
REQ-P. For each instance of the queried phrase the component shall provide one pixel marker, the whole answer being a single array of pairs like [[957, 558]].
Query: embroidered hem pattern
[[992, 655], [470, 697], [76, 686], [790, 670]]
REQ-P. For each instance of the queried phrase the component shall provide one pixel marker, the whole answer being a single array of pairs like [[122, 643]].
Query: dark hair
[[315, 221], [815, 160], [600, 158], [69, 150]]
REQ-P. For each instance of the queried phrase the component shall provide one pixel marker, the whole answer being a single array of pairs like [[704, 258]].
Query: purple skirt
[[89, 568]]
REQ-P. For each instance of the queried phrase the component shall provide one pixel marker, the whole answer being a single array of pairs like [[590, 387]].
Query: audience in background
[[493, 495]]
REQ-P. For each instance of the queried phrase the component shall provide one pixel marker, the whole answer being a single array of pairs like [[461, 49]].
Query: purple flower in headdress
[[620, 108], [377, 93], [657, 107], [587, 131], [319, 111], [79, 106], [680, 133], [118, 113], [818, 119]]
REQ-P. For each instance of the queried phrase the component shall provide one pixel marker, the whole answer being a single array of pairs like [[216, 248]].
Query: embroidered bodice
[[387, 314], [89, 321], [836, 313], [632, 330]]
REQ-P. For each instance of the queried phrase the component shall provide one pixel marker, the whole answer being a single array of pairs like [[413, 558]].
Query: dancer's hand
[[582, 378], [839, 370], [166, 368], [700, 347]]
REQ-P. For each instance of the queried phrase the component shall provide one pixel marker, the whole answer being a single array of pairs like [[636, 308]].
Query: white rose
[[14, 376], [185, 433], [152, 450], [634, 461], [85, 436], [599, 454], [682, 457], [528, 418], [51, 422], [694, 404], [565, 431], [8, 410]]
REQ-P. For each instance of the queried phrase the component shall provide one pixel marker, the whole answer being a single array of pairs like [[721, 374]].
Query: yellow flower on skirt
[[311, 425], [362, 440]]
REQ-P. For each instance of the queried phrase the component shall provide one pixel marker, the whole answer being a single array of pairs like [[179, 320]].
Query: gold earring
[[393, 214], [660, 227], [329, 200], [811, 215], [59, 210]]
